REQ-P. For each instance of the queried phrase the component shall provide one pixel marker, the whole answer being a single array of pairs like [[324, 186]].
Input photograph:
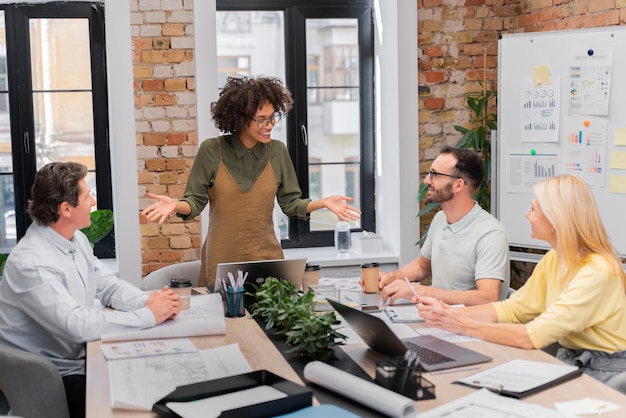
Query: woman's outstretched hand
[[160, 210], [340, 207]]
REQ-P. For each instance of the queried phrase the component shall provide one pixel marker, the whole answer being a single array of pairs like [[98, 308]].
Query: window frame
[[21, 104], [295, 14]]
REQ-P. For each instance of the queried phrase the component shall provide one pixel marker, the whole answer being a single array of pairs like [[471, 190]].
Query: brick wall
[[165, 120]]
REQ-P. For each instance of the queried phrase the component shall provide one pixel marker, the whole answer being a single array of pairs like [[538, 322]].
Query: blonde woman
[[576, 295]]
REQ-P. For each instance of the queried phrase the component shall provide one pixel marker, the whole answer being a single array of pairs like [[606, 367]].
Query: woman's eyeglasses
[[265, 122]]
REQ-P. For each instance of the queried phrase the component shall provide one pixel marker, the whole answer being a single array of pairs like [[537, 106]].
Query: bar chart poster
[[540, 106], [584, 148], [528, 167]]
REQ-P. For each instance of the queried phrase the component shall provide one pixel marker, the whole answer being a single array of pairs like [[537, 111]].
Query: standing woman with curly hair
[[243, 171]]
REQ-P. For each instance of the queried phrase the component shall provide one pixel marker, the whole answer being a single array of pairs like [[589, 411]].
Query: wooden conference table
[[262, 354]]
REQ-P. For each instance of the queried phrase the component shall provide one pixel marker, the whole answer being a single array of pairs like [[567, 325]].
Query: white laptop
[[288, 269]]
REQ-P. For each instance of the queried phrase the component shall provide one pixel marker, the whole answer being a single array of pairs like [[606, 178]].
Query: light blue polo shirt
[[475, 247]]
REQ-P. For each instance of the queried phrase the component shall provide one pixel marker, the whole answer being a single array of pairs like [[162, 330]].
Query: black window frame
[[20, 91], [295, 13]]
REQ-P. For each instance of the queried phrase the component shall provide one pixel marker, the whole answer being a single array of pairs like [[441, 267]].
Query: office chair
[[186, 270], [31, 384]]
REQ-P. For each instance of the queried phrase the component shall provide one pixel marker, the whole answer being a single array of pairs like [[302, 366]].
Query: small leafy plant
[[290, 313], [101, 225]]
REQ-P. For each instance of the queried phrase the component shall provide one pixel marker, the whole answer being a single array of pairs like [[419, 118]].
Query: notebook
[[288, 269], [434, 353]]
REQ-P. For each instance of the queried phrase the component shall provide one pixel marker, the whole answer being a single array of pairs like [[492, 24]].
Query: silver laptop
[[288, 269], [434, 353]]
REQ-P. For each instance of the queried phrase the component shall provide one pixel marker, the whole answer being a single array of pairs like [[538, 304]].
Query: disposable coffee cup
[[311, 276], [370, 273], [183, 288]]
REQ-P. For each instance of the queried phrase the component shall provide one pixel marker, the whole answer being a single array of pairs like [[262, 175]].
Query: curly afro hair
[[241, 97]]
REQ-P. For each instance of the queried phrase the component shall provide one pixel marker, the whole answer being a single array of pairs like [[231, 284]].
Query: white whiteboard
[[521, 58]]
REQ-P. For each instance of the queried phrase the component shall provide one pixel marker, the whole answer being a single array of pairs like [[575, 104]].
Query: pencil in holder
[[233, 302]]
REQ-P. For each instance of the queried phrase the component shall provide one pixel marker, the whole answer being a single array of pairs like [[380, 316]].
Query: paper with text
[[518, 375], [137, 383], [484, 403], [147, 348]]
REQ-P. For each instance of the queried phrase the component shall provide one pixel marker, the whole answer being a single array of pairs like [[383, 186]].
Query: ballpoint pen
[[406, 279]]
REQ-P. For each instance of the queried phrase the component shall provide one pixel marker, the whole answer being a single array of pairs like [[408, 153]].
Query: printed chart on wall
[[559, 113]]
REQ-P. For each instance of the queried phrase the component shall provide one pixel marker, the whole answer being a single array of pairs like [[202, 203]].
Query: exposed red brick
[[434, 103]]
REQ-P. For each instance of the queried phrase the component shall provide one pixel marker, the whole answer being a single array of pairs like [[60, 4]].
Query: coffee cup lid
[[370, 265], [180, 283], [312, 267]]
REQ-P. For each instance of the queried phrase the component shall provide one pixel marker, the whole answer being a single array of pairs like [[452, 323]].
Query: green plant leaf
[[3, 260], [101, 225]]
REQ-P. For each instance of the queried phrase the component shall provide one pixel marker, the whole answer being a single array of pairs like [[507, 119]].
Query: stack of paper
[[205, 316], [138, 382]]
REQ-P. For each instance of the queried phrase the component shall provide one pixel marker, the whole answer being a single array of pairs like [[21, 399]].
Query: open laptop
[[434, 353], [287, 269]]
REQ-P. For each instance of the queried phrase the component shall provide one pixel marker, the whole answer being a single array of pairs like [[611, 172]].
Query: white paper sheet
[[205, 316], [446, 335], [367, 393], [518, 375], [137, 383], [142, 348], [484, 403]]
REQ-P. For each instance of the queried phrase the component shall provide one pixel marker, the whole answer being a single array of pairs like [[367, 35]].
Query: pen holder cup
[[233, 303], [395, 375]]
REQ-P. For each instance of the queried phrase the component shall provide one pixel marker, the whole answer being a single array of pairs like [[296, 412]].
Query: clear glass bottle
[[342, 237]]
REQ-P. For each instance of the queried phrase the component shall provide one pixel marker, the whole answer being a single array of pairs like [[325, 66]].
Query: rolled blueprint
[[367, 393]]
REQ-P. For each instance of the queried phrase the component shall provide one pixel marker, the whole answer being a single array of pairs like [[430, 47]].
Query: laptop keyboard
[[427, 356]]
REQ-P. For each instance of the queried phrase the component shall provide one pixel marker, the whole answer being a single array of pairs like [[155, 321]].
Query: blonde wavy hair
[[568, 204]]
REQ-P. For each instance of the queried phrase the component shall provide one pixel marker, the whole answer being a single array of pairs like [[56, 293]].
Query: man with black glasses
[[466, 251]]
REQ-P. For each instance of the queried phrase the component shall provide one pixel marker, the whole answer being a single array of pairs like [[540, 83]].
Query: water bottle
[[342, 237]]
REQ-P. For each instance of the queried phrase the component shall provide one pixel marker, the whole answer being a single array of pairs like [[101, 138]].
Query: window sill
[[329, 257]]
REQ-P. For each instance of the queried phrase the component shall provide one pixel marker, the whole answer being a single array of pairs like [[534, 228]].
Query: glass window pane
[[60, 54], [8, 231], [64, 128], [333, 124]]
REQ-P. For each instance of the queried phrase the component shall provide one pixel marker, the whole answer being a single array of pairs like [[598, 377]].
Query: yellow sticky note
[[618, 184], [620, 136], [618, 160], [541, 75]]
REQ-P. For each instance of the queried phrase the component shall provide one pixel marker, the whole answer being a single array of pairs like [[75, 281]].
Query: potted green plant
[[101, 225], [290, 313]]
